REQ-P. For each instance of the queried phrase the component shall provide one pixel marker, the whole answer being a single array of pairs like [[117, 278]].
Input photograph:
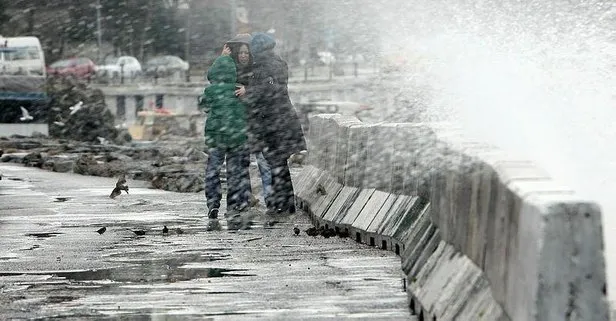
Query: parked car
[[127, 66], [80, 67], [164, 66]]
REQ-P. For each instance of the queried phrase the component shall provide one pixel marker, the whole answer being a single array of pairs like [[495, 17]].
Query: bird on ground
[[25, 115], [76, 107], [165, 229], [120, 186], [101, 230], [121, 180], [321, 190], [296, 230], [102, 140], [313, 231], [327, 233]]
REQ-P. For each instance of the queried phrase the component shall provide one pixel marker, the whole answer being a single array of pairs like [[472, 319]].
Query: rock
[[63, 166], [123, 137], [34, 159], [13, 158], [83, 164], [114, 156], [93, 120]]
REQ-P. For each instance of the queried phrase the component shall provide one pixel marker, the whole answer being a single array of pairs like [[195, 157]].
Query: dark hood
[[241, 38], [261, 43], [222, 71]]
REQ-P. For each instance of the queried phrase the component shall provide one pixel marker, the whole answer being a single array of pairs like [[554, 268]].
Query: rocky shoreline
[[174, 165]]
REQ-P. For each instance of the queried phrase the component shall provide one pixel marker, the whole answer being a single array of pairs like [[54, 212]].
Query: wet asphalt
[[54, 263]]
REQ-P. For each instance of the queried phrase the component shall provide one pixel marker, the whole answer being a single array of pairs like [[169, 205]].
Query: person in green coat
[[225, 137]]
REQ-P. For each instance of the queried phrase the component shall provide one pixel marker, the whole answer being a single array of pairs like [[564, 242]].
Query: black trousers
[[283, 196]]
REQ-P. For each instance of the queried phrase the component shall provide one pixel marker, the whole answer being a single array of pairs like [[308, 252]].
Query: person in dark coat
[[240, 52], [272, 119], [225, 137]]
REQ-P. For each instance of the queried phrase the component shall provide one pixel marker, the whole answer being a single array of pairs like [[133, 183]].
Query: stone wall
[[482, 235]]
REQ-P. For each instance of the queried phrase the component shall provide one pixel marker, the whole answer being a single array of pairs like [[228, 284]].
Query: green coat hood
[[222, 71]]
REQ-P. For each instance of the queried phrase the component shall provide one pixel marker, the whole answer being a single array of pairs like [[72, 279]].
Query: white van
[[22, 69]]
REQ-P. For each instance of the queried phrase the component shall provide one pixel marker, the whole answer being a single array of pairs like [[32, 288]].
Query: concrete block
[[502, 233], [370, 210], [480, 215], [562, 273], [426, 253], [450, 287], [341, 203], [456, 291], [342, 152], [415, 246], [433, 274], [415, 221], [357, 155], [318, 138], [413, 225], [504, 212], [347, 218], [480, 305], [379, 148], [328, 143], [381, 216], [322, 202], [413, 147], [396, 215], [305, 184], [402, 205]]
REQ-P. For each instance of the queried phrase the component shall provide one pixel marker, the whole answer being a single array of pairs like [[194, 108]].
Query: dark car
[[164, 66], [80, 67]]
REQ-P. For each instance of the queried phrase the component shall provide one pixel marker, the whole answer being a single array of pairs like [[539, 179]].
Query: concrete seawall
[[481, 235]]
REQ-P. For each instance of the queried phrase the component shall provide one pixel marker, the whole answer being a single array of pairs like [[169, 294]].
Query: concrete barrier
[[482, 235]]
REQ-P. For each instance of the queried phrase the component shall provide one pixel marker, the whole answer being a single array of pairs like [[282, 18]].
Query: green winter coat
[[225, 126]]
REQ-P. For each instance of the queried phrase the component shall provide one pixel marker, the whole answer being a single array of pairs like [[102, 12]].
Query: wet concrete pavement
[[53, 263]]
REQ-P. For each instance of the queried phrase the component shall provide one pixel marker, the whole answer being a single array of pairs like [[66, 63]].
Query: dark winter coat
[[226, 124], [271, 116]]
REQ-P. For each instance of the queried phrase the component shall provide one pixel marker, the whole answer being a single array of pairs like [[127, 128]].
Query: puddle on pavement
[[44, 235], [60, 298], [33, 247], [152, 258], [150, 273], [156, 269], [139, 316], [154, 273]]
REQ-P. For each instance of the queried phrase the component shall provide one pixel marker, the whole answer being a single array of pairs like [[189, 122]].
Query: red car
[[78, 67]]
